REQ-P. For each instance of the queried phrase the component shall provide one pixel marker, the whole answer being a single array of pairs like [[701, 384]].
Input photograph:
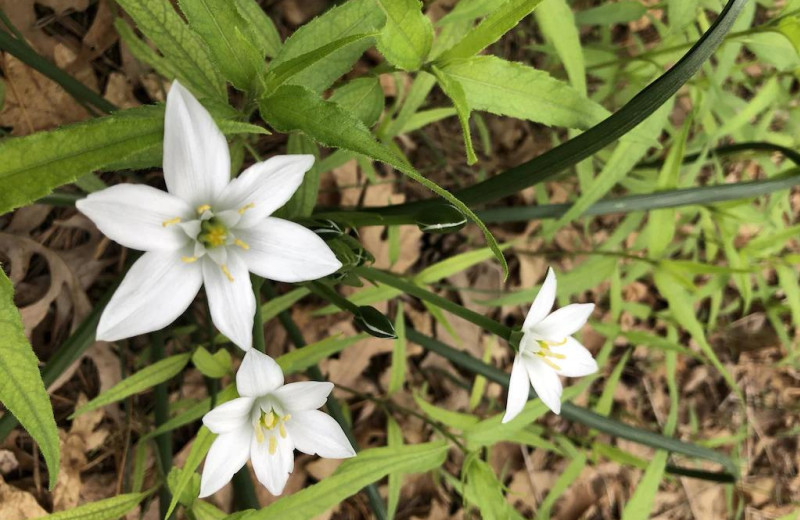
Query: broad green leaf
[[512, 89], [406, 38], [193, 412], [200, 446], [35, 164], [143, 52], [490, 29], [455, 91], [397, 375], [363, 97], [22, 391], [680, 13], [612, 13], [305, 198], [142, 380], [788, 26], [222, 28], [189, 493], [203, 510], [394, 438], [557, 24], [213, 365], [297, 108], [568, 476], [469, 10], [457, 420], [181, 47], [259, 28], [483, 490], [353, 17], [354, 474], [106, 509], [302, 358]]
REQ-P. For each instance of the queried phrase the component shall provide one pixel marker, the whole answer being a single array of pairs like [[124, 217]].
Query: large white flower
[[206, 230], [266, 424], [547, 350]]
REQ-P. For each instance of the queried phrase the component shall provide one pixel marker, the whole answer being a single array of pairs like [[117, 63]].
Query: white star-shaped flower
[[547, 350], [207, 230], [266, 424]]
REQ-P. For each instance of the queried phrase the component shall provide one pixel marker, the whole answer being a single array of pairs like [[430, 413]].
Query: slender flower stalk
[[547, 350], [206, 230], [266, 424]]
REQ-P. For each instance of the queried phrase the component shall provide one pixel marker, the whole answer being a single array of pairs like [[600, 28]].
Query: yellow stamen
[[269, 420], [282, 430], [189, 259], [216, 237], [287, 417], [557, 343], [259, 433], [246, 207], [550, 363], [204, 207], [241, 243], [226, 272], [273, 445], [170, 221]]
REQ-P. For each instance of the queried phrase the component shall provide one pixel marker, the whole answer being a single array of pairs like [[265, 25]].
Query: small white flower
[[266, 424], [547, 350], [206, 230]]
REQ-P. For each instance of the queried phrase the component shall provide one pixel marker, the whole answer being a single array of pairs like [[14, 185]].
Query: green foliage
[[200, 446], [183, 50], [259, 28], [363, 97], [142, 380], [557, 23], [406, 38], [369, 466], [106, 509], [211, 365], [21, 389], [612, 13]]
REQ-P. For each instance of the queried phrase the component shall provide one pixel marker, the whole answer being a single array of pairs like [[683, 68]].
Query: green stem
[[334, 408], [161, 412]]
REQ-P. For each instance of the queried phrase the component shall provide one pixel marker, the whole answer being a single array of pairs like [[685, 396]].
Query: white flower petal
[[197, 164], [231, 300], [227, 455], [304, 395], [564, 322], [518, 390], [577, 362], [315, 432], [264, 187], [156, 290], [286, 252], [545, 382], [543, 302], [138, 216], [273, 469], [258, 375], [233, 415]]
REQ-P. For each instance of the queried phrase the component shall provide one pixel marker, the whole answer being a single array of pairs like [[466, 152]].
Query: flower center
[[542, 348], [265, 428], [213, 233]]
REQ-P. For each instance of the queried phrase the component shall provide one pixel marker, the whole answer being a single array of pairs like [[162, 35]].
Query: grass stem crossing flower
[[207, 230], [547, 350], [266, 424]]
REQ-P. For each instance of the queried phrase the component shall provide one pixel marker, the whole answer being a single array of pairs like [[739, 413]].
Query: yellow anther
[[170, 221], [273, 445], [189, 259], [557, 343], [216, 237], [269, 420], [246, 207], [259, 433], [282, 430], [227, 273], [204, 207], [241, 243], [287, 417]]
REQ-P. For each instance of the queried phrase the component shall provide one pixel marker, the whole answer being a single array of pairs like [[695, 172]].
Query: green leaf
[[450, 418], [182, 48], [221, 26], [363, 97], [394, 438], [139, 382], [106, 509], [192, 413], [354, 474], [302, 358], [512, 89], [406, 38], [398, 372], [455, 91], [482, 489], [490, 29], [557, 24], [680, 13], [211, 365], [297, 108], [21, 388], [188, 494], [200, 446], [305, 198], [567, 477], [348, 19], [614, 13], [259, 28]]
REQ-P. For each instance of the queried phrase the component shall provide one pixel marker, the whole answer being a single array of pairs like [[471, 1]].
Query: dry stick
[[335, 409]]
